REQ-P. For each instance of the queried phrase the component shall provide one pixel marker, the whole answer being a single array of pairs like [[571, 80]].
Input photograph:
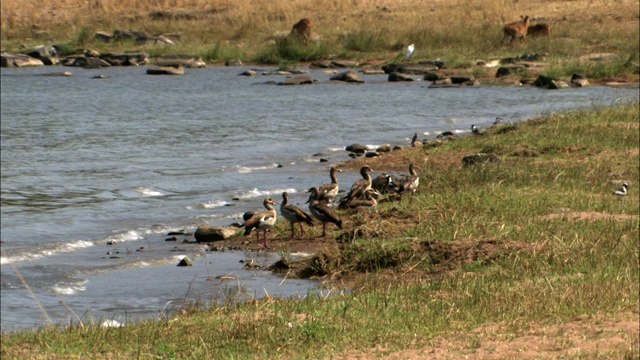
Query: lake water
[[126, 159]]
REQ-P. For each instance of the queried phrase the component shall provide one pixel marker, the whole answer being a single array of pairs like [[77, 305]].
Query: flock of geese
[[323, 200]]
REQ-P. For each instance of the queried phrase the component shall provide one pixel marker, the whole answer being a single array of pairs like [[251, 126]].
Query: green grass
[[475, 248]]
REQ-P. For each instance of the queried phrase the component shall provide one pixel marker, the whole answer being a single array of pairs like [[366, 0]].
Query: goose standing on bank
[[322, 212], [369, 201], [263, 220], [328, 192], [408, 183], [294, 214], [359, 187], [622, 191]]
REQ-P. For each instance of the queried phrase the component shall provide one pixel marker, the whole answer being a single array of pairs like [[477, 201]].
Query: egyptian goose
[[294, 214], [407, 183], [369, 201], [359, 187], [328, 192], [263, 220], [622, 191], [322, 212]]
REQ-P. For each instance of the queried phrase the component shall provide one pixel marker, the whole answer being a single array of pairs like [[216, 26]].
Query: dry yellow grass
[[249, 25]]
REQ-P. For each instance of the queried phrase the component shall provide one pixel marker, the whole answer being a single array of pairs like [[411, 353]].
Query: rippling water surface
[[128, 158]]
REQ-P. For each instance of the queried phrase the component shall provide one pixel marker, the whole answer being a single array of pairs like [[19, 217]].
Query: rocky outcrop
[[415, 69], [347, 76], [397, 76], [208, 233], [298, 80], [176, 60], [18, 60], [45, 53], [578, 80], [547, 82], [165, 70], [357, 148]]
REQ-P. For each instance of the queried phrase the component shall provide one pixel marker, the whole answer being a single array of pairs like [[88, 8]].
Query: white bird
[[622, 191], [408, 51]]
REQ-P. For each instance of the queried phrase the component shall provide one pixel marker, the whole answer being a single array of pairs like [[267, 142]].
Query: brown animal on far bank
[[541, 29], [515, 30], [302, 29]]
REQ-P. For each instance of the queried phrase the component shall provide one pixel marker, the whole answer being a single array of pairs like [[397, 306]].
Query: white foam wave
[[258, 193], [65, 289], [212, 204], [58, 249], [130, 235], [148, 191], [247, 169], [336, 148]]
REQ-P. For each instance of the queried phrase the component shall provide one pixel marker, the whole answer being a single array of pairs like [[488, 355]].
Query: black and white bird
[[622, 191], [475, 130], [407, 183]]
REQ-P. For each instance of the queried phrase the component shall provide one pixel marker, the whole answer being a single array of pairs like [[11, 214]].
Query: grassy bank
[[532, 257], [458, 32]]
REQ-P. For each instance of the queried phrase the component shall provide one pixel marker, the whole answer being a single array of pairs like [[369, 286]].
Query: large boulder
[[208, 233], [45, 53], [357, 148], [19, 60]]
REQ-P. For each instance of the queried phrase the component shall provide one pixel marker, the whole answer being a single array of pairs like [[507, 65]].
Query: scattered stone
[[173, 238], [59, 73], [298, 80], [99, 77], [233, 62], [347, 76], [433, 76], [384, 148], [396, 76], [248, 73], [408, 69], [165, 70], [357, 148], [208, 233], [508, 70], [578, 80], [177, 60], [480, 158], [372, 71], [371, 154], [185, 262]]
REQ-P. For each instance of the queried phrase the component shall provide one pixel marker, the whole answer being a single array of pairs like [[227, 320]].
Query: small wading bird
[[294, 214], [475, 130], [408, 51], [322, 212], [622, 191], [263, 220]]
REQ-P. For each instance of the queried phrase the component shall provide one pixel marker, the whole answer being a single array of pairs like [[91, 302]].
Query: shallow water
[[129, 158]]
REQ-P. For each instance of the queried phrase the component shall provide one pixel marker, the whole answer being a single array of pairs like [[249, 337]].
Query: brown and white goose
[[328, 192], [322, 212], [294, 214], [359, 187], [369, 201], [407, 183], [263, 220]]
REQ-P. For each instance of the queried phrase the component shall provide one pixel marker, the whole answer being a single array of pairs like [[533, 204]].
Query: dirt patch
[[587, 216], [582, 338]]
